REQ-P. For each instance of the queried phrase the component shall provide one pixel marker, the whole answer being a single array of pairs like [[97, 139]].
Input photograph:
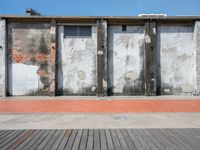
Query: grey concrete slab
[[99, 120]]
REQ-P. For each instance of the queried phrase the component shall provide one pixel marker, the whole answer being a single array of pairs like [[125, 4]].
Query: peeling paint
[[125, 60], [177, 60], [77, 69], [197, 56], [29, 47], [2, 57]]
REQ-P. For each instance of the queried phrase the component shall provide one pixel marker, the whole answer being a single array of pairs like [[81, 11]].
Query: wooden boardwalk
[[101, 139]]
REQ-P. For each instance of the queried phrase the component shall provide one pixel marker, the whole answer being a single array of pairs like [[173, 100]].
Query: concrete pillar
[[2, 58], [150, 58], [197, 53], [53, 53], [102, 57]]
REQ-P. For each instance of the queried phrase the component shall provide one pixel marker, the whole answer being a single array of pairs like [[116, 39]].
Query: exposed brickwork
[[53, 58], [36, 50]]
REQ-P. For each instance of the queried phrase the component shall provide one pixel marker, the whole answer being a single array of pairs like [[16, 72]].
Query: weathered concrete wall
[[2, 57], [77, 64], [31, 61], [125, 60], [197, 67], [32, 50], [177, 59]]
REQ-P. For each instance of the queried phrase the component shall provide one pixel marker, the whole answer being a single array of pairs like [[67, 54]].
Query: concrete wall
[[197, 44], [77, 64], [2, 56], [32, 49], [30, 59], [125, 60], [176, 48]]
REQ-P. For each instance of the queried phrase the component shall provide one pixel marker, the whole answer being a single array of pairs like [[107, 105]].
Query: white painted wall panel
[[177, 59], [77, 73], [25, 80], [125, 57], [2, 57]]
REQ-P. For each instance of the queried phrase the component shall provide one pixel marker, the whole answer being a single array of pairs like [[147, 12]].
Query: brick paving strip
[[99, 106], [105, 139]]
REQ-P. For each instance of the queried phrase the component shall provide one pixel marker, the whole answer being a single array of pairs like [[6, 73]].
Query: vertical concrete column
[[2, 57], [197, 53], [150, 58], [53, 56], [102, 57]]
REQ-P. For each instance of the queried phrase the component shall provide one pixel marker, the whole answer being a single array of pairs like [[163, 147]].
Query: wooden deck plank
[[197, 131], [173, 139], [46, 139], [90, 141], [116, 142], [147, 140], [191, 135], [128, 140], [155, 141], [77, 140], [21, 139], [4, 132], [103, 140], [58, 140], [8, 135], [138, 145], [109, 140], [10, 138], [30, 138], [71, 139], [64, 139], [96, 140], [179, 138], [2, 136], [122, 140], [140, 139], [34, 139], [182, 139], [194, 131], [162, 139], [40, 139], [52, 140], [84, 140], [186, 138]]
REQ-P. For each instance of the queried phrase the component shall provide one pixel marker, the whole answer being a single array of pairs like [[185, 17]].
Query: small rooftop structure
[[152, 15], [32, 12]]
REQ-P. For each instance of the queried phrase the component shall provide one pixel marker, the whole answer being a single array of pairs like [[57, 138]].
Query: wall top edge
[[102, 17]]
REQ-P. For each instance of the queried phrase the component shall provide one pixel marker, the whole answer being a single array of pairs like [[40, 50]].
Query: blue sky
[[102, 7]]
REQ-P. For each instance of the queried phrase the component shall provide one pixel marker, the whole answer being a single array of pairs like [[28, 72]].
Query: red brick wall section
[[33, 45]]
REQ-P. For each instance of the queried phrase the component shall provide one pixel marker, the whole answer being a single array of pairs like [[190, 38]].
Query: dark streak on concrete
[[102, 57], [150, 58]]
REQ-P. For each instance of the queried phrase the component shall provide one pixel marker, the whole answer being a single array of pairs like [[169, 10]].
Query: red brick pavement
[[99, 106]]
